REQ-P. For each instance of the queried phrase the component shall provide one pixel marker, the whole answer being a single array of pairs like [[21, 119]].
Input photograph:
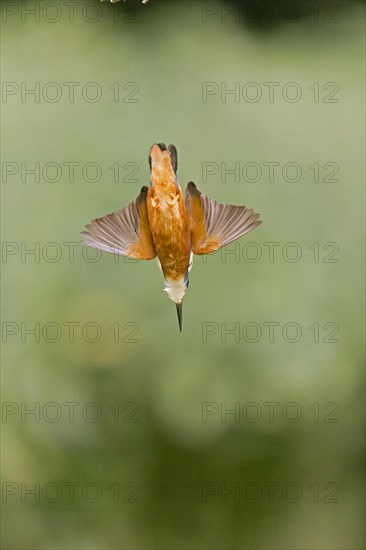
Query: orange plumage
[[161, 222], [168, 218]]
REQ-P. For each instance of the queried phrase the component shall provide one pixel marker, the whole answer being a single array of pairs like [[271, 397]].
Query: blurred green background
[[159, 470]]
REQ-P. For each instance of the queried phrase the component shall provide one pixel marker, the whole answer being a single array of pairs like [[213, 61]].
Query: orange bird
[[162, 223]]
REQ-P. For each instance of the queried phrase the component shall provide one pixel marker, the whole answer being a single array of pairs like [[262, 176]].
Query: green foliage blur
[[160, 464]]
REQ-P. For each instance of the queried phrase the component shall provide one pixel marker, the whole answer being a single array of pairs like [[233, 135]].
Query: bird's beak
[[179, 313]]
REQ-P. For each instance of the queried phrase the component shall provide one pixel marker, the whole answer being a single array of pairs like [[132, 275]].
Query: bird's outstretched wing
[[126, 232], [214, 225]]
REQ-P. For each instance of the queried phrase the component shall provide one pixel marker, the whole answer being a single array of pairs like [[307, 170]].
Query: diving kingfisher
[[160, 222]]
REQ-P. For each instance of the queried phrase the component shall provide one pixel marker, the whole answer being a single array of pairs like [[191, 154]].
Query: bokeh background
[[149, 472]]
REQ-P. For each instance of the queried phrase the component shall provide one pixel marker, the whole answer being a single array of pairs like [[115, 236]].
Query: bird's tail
[[163, 160]]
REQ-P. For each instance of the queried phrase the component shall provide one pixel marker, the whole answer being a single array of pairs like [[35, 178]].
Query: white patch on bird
[[175, 289], [190, 262]]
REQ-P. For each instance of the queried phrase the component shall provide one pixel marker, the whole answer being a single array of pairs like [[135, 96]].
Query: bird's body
[[169, 223], [162, 223]]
